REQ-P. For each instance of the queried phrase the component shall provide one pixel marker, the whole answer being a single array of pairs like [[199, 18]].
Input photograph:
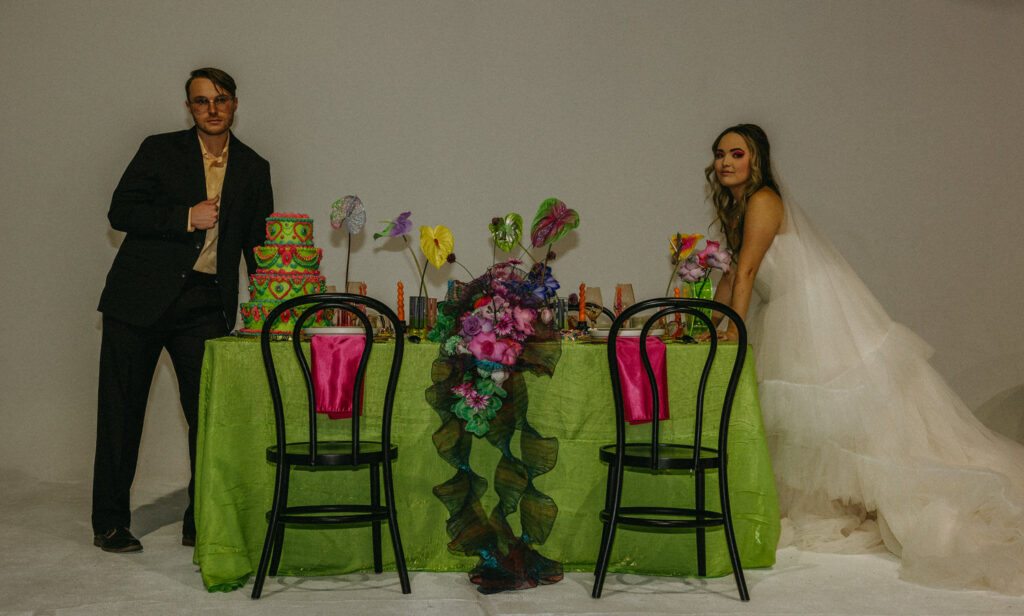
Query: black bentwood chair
[[652, 454], [313, 454]]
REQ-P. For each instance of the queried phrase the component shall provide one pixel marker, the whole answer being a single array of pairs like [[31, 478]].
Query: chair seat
[[670, 456], [332, 453]]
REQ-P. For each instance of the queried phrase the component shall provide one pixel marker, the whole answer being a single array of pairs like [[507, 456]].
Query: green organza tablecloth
[[234, 482]]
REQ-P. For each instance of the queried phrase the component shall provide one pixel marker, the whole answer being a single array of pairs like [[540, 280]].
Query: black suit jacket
[[150, 205]]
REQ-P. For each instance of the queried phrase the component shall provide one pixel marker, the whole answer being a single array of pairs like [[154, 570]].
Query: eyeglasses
[[220, 103]]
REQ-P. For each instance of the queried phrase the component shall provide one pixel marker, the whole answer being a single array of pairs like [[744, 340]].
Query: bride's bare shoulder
[[766, 204]]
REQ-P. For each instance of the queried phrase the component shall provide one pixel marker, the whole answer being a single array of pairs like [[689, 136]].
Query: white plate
[[333, 331], [626, 333]]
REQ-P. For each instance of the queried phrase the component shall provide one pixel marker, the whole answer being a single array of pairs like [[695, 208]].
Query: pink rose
[[524, 319], [486, 347]]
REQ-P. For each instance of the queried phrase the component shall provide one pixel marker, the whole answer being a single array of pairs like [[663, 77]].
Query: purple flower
[[690, 270], [542, 284], [720, 259], [471, 326], [397, 227], [402, 225], [504, 325]]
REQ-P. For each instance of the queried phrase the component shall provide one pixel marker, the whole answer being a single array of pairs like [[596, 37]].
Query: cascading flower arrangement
[[491, 331], [348, 212]]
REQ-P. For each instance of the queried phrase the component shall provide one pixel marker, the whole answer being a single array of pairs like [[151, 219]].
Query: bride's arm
[[723, 295], [760, 224]]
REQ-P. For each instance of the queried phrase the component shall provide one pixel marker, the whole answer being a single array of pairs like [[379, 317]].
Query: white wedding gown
[[869, 444]]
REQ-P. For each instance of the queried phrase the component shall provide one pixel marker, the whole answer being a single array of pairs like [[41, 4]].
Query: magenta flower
[[475, 400], [486, 347], [504, 324], [553, 220], [524, 319], [462, 390], [710, 248]]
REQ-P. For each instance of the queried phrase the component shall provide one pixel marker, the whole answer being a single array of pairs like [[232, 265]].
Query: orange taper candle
[[401, 302], [583, 303]]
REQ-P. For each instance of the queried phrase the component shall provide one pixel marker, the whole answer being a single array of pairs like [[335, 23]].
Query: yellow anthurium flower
[[437, 244]]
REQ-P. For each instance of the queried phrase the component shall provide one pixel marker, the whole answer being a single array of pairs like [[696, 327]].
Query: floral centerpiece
[[694, 270], [491, 331]]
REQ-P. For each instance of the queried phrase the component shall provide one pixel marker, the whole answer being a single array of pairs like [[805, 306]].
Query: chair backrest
[[699, 310], [303, 308]]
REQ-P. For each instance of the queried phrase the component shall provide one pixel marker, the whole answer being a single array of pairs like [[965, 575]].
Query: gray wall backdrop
[[896, 125]]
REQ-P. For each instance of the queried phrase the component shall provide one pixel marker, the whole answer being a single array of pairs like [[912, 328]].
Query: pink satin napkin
[[335, 362], [636, 389]]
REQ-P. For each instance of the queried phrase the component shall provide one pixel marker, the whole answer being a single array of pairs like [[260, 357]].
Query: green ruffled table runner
[[234, 483]]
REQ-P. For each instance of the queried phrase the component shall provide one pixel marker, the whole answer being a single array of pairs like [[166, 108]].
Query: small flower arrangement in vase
[[437, 245], [694, 270]]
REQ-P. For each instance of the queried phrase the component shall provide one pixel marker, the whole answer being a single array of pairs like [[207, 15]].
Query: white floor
[[49, 567]]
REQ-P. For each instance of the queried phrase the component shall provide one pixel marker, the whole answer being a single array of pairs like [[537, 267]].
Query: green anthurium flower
[[507, 231], [553, 220]]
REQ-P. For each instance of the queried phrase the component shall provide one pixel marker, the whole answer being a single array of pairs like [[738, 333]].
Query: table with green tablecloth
[[234, 482]]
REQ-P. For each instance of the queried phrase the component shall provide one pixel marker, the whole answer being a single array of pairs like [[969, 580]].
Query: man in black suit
[[190, 211]]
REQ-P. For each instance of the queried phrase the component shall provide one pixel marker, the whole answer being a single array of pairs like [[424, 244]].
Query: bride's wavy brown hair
[[729, 211]]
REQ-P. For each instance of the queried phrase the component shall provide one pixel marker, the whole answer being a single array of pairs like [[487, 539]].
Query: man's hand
[[204, 214]]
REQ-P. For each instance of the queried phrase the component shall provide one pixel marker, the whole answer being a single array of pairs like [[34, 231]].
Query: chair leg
[[700, 505], [396, 539], [378, 562], [275, 561], [280, 497], [609, 486], [604, 556], [730, 537]]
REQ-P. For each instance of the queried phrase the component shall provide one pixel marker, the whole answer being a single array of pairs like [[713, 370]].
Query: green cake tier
[[254, 315], [289, 230], [287, 259], [280, 287]]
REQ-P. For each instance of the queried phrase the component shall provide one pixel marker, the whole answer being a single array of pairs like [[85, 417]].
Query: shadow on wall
[[1004, 413]]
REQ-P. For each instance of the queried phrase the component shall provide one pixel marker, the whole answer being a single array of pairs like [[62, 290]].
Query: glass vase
[[418, 311], [698, 290]]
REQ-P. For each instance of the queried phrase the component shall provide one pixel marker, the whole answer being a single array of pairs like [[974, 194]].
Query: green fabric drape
[[234, 482]]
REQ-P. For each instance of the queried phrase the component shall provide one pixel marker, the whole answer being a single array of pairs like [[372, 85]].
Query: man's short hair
[[222, 80]]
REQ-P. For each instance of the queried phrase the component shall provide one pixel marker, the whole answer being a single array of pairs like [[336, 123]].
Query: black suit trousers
[[128, 359]]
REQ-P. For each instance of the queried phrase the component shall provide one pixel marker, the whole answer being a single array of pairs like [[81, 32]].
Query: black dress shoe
[[188, 540], [117, 540]]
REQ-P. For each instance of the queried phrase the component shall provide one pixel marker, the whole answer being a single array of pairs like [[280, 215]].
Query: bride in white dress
[[869, 445]]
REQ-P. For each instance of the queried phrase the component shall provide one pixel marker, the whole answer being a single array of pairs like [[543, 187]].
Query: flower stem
[[670, 277], [471, 276], [417, 262], [348, 257], [526, 251], [423, 274]]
